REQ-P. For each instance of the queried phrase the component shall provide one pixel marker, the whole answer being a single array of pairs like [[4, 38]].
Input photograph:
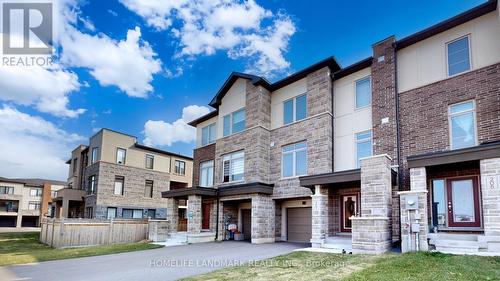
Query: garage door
[[299, 224], [8, 221], [30, 221]]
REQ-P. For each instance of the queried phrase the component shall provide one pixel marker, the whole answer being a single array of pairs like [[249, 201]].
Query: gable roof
[[489, 6], [260, 81]]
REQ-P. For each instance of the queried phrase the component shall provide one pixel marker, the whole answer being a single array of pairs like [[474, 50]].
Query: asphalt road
[[170, 263]]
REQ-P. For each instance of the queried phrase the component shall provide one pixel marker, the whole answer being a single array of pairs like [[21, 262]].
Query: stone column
[[222, 226], [490, 192], [372, 232], [19, 220], [263, 216], [194, 214], [409, 214], [319, 216], [65, 207], [172, 213]]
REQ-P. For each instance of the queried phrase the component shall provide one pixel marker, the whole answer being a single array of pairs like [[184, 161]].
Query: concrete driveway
[[170, 263]]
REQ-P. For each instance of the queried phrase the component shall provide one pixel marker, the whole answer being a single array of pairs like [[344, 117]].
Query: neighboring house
[[324, 153], [114, 176], [24, 202]]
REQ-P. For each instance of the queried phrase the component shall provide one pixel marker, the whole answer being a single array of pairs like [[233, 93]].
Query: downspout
[[217, 217], [333, 122], [398, 123]]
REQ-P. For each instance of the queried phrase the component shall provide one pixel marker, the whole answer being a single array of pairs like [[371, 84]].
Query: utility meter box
[[415, 227], [411, 202]]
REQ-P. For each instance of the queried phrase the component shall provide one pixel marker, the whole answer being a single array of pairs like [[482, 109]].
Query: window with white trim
[[91, 188], [119, 182], [234, 122], [364, 146], [207, 174], [294, 160], [111, 213], [462, 122], [180, 167], [363, 92], [208, 134], [33, 206], [295, 109], [150, 160], [95, 152], [120, 155], [36, 192], [233, 166], [458, 56]]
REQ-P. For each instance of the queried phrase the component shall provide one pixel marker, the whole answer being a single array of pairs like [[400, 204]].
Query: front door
[[205, 209], [463, 202], [348, 208], [246, 217]]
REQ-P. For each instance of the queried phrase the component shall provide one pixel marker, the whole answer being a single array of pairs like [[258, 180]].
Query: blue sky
[[174, 73]]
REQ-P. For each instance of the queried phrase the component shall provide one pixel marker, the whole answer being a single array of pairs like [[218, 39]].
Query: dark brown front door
[[246, 217], [205, 209], [463, 202], [349, 206]]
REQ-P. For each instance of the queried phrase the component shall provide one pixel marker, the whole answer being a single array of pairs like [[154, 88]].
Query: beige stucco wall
[[425, 62], [187, 177], [200, 126], [348, 121], [234, 100], [23, 205], [279, 96]]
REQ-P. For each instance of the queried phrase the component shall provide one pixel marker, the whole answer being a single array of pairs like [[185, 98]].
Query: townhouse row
[[327, 153], [24, 202], [116, 177]]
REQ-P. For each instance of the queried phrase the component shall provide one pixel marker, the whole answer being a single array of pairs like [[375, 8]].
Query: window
[[91, 189], [132, 214], [74, 165], [294, 160], [294, 109], [363, 146], [150, 160], [363, 92], [462, 120], [53, 193], [33, 206], [151, 213], [234, 122], [148, 191], [120, 155], [111, 214], [95, 151], [180, 167], [36, 192], [207, 174], [439, 201], [458, 55], [89, 212], [208, 134], [233, 166], [6, 190], [119, 185]]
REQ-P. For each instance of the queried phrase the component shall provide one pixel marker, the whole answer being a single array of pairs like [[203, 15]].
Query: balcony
[[9, 208], [70, 194]]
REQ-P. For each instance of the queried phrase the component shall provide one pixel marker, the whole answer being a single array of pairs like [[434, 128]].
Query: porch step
[[459, 244], [338, 244], [177, 238]]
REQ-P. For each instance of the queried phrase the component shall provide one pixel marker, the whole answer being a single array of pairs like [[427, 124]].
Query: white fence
[[61, 233]]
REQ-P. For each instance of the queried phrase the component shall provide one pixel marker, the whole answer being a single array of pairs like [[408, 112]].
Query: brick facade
[[202, 154], [424, 111]]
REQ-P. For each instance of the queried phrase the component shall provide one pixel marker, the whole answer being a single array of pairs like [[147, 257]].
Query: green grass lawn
[[18, 248], [320, 266]]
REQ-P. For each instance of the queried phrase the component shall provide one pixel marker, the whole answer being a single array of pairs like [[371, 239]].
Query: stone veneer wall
[[194, 214], [201, 154], [490, 191], [372, 231], [263, 215], [320, 216], [134, 187]]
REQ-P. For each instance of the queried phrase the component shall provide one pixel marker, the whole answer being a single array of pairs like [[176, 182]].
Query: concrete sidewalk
[[170, 263]]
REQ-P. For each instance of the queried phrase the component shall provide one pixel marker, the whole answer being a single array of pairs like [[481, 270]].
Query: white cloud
[[33, 147], [161, 133], [242, 28], [128, 64]]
